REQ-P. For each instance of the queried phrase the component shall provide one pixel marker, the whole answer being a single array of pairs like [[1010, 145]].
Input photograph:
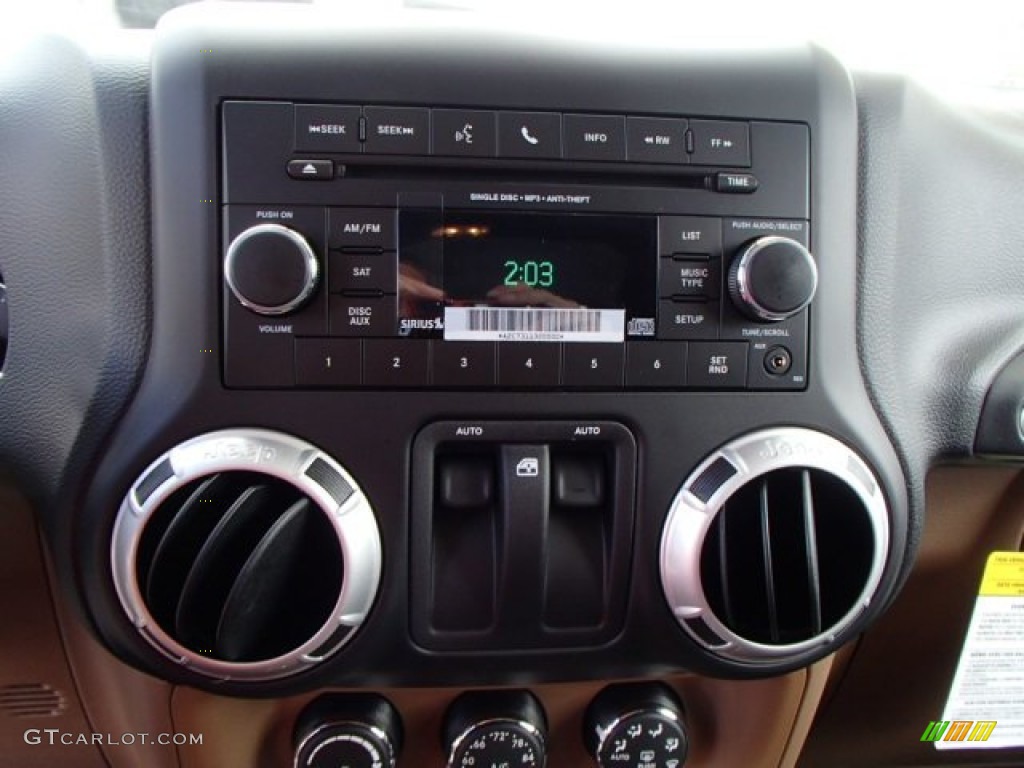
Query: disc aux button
[[363, 316]]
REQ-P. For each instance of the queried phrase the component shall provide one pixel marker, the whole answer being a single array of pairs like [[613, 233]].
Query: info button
[[594, 137]]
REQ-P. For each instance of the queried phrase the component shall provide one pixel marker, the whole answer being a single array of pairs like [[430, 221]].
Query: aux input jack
[[778, 361]]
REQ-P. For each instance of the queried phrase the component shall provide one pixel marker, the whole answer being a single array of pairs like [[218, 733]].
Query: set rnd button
[[716, 365]]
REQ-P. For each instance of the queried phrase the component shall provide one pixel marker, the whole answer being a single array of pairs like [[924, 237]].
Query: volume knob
[[772, 279], [271, 270]]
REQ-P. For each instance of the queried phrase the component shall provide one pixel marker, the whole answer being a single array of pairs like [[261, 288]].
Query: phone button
[[530, 135]]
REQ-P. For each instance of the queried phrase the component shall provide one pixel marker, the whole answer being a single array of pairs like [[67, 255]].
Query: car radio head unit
[[364, 252]]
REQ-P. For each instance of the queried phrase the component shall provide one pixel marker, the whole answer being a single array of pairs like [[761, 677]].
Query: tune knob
[[496, 728], [773, 278], [636, 724], [271, 269], [352, 730]]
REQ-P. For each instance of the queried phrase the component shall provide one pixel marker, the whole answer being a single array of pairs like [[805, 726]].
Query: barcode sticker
[[533, 324]]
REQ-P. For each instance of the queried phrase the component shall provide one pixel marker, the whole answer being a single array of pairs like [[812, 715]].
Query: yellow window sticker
[[985, 708]]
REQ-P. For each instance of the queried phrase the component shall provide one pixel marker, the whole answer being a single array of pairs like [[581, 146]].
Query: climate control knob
[[773, 278], [353, 730], [496, 728], [634, 725], [271, 270]]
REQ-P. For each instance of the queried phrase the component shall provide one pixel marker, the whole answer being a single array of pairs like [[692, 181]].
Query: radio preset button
[[369, 228], [362, 316], [593, 365], [464, 363], [656, 140], [397, 130], [529, 364], [687, 319], [655, 364], [465, 133], [690, 235], [690, 278], [359, 271], [395, 363], [720, 142], [327, 363], [594, 137], [530, 135], [717, 364]]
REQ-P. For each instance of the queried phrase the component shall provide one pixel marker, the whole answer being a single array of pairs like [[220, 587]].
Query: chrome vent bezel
[[704, 494], [277, 455]]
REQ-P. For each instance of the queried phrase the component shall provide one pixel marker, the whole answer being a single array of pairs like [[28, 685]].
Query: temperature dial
[[271, 269], [636, 726], [355, 731], [501, 728], [772, 279]]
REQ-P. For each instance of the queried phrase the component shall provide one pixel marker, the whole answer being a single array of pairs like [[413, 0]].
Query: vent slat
[[769, 569], [254, 601], [176, 549], [811, 548], [723, 567], [218, 563]]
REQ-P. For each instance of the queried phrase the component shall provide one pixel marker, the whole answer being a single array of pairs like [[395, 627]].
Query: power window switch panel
[[578, 481], [466, 483]]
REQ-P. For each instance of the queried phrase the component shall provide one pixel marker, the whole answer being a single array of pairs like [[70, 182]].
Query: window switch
[[578, 481], [466, 482]]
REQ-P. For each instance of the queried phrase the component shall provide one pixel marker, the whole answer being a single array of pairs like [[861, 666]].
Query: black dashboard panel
[[294, 59], [369, 437]]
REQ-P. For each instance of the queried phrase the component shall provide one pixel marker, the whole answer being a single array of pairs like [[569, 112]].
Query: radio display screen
[[504, 276]]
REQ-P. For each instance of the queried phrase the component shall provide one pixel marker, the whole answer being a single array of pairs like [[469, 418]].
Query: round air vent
[[246, 554], [774, 546]]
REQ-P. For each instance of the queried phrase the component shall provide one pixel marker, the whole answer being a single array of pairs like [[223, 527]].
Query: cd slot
[[647, 176]]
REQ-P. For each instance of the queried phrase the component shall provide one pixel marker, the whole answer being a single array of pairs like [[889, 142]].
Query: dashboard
[[409, 391]]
